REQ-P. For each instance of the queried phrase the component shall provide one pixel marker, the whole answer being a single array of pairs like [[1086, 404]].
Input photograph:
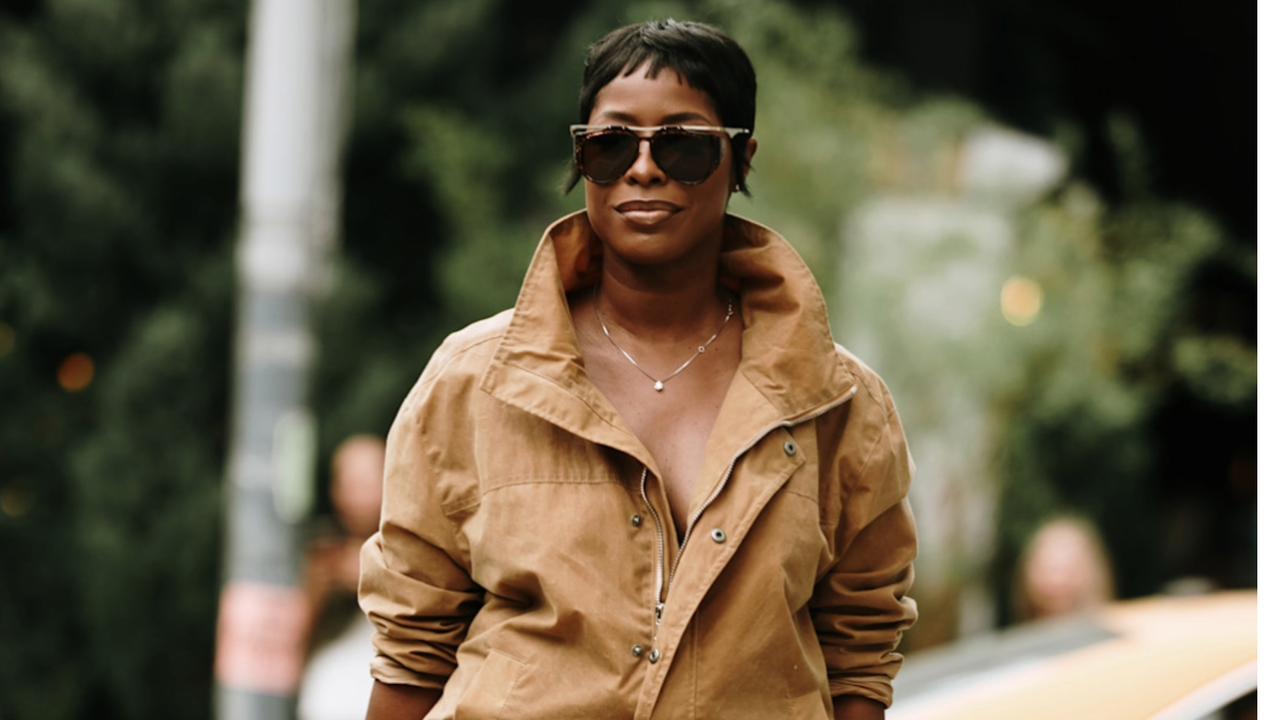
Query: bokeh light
[[1020, 300], [76, 372]]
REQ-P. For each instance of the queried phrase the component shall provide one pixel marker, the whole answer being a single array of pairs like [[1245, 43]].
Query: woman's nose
[[644, 170]]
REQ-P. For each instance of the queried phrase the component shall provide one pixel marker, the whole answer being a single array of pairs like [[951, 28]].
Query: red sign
[[262, 637]]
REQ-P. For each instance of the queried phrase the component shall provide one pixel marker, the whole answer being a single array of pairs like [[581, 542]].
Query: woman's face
[[644, 217], [1062, 572]]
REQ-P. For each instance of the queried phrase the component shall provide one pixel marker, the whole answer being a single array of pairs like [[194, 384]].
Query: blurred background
[[1037, 220]]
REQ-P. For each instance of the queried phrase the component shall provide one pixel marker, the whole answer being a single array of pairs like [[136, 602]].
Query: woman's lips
[[646, 213]]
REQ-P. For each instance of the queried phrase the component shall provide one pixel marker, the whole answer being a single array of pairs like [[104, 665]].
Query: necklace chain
[[659, 384]]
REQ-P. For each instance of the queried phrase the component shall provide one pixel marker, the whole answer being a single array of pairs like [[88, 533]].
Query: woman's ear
[[747, 153]]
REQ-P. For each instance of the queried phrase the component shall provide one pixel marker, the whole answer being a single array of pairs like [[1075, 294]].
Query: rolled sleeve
[[415, 581], [420, 617], [860, 607]]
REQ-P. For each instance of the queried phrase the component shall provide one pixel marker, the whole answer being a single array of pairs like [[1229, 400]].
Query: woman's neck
[[659, 307]]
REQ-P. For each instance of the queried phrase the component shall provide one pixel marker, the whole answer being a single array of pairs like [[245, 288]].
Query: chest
[[674, 423]]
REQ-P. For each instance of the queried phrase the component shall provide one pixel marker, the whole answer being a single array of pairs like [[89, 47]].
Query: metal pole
[[297, 58]]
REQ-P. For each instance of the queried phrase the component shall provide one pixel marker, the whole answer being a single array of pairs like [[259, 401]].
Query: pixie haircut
[[702, 55]]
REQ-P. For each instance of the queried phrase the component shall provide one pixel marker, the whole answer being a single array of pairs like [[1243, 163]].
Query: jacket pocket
[[486, 697]]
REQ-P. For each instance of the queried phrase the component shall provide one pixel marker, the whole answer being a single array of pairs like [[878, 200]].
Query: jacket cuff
[[389, 672], [877, 688]]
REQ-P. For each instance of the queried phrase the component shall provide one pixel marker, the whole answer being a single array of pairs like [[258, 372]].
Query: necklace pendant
[[658, 385]]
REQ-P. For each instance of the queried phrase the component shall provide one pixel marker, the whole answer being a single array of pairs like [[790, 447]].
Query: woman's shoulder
[[868, 382], [872, 432], [469, 348], [459, 362]]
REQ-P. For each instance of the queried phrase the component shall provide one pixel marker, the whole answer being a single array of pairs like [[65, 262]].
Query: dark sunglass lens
[[686, 157], [606, 156]]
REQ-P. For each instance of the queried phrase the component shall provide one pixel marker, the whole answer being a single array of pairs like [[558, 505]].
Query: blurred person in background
[[1064, 569], [336, 683], [656, 488]]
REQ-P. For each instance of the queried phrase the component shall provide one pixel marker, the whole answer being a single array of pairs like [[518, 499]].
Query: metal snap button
[[637, 650], [789, 448], [636, 520], [654, 654], [718, 535]]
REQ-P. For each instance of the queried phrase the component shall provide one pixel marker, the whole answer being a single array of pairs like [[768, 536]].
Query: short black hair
[[702, 55]]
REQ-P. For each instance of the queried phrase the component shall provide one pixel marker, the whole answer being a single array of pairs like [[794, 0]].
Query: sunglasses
[[687, 154]]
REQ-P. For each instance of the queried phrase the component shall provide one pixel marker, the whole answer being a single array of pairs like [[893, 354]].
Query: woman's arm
[[415, 582], [856, 707], [402, 702], [860, 606]]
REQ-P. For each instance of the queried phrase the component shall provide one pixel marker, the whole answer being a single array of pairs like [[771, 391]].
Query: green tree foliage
[[119, 145], [1119, 337]]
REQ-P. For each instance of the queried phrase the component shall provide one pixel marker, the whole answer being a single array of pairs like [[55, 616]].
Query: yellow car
[[1157, 658]]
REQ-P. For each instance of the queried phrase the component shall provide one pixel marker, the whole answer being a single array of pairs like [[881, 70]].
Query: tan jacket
[[527, 561]]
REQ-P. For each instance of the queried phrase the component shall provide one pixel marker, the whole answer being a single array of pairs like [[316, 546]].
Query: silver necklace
[[658, 385]]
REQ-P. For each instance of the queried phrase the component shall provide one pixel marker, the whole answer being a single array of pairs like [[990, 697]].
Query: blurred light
[[15, 499], [76, 372], [1020, 300], [6, 339]]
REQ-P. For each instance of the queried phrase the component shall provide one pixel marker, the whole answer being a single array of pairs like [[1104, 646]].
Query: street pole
[[297, 62]]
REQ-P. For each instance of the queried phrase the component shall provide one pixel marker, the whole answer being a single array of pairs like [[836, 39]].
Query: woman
[[655, 488]]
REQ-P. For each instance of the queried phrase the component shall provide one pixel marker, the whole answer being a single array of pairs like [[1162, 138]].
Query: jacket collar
[[788, 355]]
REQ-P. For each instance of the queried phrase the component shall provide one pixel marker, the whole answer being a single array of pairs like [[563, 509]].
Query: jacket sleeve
[[860, 606], [415, 584]]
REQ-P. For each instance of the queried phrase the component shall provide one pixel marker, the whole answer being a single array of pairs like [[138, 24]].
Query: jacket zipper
[[662, 554], [659, 590]]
